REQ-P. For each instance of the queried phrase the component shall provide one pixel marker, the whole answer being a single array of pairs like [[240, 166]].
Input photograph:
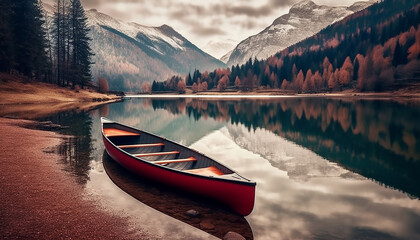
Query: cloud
[[282, 3], [207, 31], [199, 21], [248, 11]]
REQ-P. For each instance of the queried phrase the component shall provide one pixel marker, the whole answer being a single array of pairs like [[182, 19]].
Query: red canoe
[[164, 161]]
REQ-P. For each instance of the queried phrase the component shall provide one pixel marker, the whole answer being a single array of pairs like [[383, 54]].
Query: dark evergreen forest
[[54, 50]]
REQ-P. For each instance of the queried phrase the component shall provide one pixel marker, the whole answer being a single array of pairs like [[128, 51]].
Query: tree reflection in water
[[75, 148], [377, 139]]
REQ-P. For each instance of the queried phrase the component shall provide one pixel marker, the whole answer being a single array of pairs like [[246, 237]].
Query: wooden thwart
[[114, 132], [190, 159], [142, 145], [155, 154]]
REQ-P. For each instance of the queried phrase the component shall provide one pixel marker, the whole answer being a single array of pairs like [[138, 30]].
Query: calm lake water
[[325, 169]]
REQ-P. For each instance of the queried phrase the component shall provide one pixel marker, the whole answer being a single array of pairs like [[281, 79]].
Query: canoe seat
[[190, 159], [208, 171], [142, 145], [114, 132], [155, 154]]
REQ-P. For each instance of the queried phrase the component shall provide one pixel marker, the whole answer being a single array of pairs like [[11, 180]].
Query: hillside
[[376, 49], [128, 54], [303, 20], [20, 96]]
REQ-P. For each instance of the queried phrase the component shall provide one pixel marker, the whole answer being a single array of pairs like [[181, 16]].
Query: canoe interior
[[145, 143]]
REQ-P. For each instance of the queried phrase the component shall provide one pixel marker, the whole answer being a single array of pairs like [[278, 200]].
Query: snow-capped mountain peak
[[132, 29], [128, 53], [304, 19]]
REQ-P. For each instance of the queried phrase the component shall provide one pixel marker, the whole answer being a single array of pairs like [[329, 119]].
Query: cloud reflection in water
[[300, 195]]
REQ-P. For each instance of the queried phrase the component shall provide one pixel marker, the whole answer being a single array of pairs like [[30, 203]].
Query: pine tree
[[59, 41], [189, 80], [79, 41], [28, 38], [6, 44]]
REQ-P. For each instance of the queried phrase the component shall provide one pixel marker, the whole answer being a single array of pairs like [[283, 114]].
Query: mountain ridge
[[128, 54], [163, 52], [304, 19]]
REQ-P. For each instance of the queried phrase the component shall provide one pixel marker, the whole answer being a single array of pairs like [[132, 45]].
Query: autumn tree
[[375, 71], [181, 86], [237, 82], [194, 87], [332, 81], [414, 50], [145, 86], [317, 81], [223, 83], [298, 83], [308, 85], [205, 86], [103, 85], [284, 84], [346, 72]]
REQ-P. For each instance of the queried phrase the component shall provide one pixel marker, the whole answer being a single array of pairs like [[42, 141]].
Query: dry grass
[[29, 99]]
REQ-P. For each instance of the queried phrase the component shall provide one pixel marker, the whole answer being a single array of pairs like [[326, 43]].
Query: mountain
[[128, 54], [303, 20], [133, 53]]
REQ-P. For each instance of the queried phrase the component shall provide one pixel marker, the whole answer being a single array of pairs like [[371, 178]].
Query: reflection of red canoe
[[167, 162], [176, 203]]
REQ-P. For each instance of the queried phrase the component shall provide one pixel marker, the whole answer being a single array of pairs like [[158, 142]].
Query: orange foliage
[[346, 72], [284, 84], [332, 43], [298, 83], [308, 85], [317, 81], [180, 87], [375, 71], [145, 86], [103, 85], [332, 81], [414, 50], [314, 48], [205, 86], [223, 83], [327, 69], [194, 87], [237, 82], [273, 79]]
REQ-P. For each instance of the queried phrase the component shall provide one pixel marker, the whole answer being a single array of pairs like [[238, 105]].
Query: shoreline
[[40, 200], [409, 93], [32, 100], [255, 95]]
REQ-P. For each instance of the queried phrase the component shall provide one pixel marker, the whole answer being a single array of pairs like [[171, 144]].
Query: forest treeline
[[54, 50], [375, 49]]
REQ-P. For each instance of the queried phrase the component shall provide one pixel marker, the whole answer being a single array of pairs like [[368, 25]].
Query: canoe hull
[[236, 195]]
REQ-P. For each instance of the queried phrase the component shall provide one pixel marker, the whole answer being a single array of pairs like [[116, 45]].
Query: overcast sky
[[203, 21]]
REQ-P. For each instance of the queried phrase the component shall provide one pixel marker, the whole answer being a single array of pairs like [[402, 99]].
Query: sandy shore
[[40, 201]]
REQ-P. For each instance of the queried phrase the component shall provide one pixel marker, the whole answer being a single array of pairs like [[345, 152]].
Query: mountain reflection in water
[[377, 139], [325, 168]]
